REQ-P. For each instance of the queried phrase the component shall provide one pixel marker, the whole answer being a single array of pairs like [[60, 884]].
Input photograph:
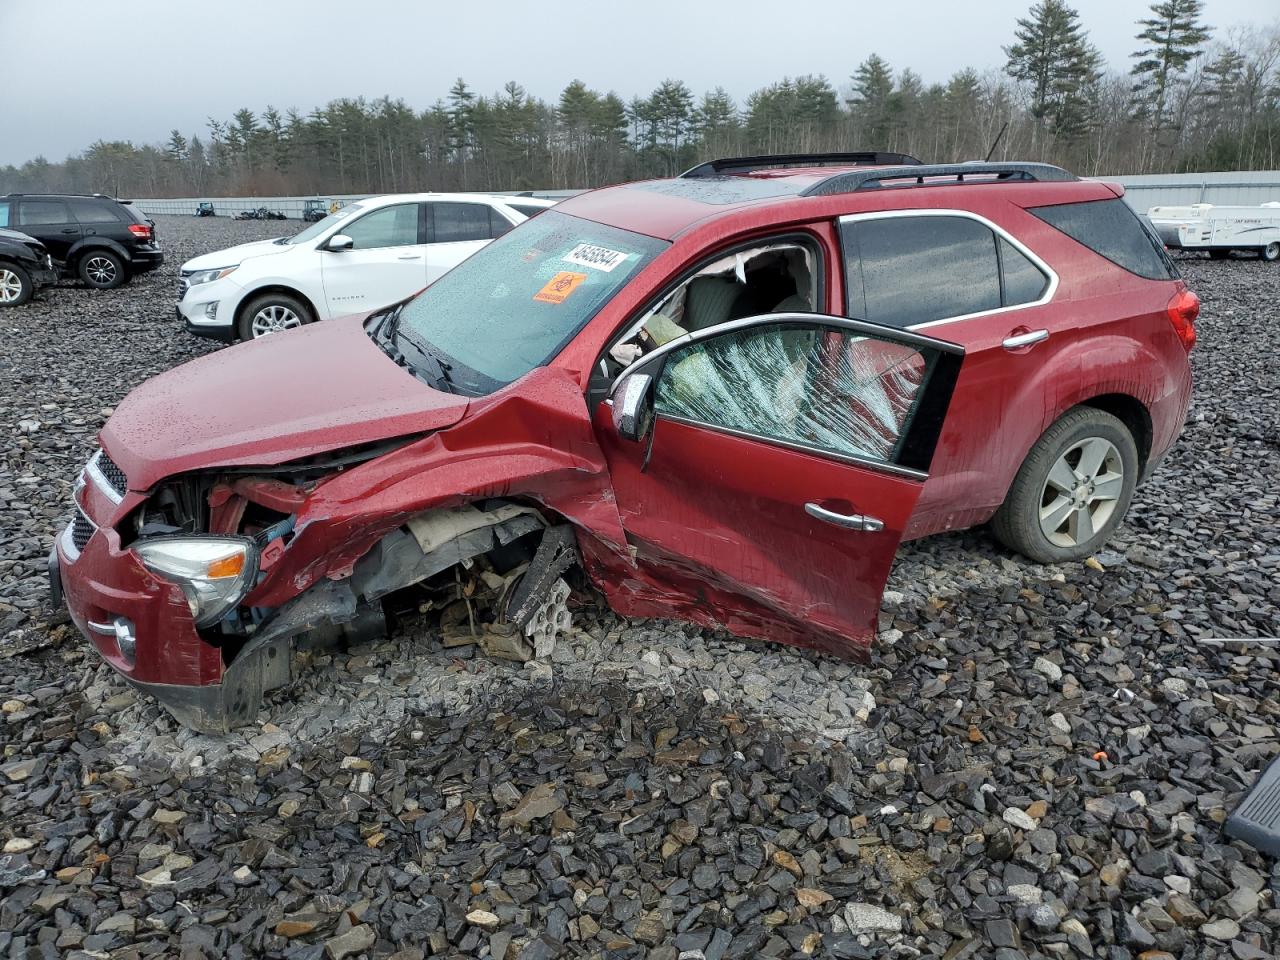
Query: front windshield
[[320, 226], [515, 304]]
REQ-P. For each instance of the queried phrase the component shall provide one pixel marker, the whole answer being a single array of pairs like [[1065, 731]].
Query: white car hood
[[237, 254]]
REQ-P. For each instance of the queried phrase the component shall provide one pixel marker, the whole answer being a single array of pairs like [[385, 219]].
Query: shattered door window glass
[[772, 278], [818, 387]]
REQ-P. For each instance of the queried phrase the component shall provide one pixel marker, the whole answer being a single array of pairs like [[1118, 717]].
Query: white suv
[[367, 255]]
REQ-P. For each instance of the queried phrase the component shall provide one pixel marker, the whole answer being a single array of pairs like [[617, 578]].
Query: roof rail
[[862, 158], [935, 173]]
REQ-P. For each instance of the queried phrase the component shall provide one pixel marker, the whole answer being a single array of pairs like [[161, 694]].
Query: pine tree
[[1054, 57], [1173, 36], [870, 103]]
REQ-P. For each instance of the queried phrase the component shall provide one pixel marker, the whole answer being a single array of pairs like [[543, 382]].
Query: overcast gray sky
[[78, 71]]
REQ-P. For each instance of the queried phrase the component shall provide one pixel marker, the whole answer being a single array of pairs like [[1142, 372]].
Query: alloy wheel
[[10, 286], [101, 270], [1271, 251], [1081, 492], [272, 319]]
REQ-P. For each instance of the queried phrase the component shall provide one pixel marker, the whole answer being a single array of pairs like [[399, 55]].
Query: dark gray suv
[[101, 240]]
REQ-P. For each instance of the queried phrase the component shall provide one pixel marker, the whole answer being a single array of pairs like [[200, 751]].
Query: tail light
[[1183, 310], [140, 230]]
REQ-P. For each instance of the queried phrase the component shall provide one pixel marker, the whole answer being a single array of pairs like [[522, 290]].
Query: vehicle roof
[[63, 196], [460, 197], [667, 208]]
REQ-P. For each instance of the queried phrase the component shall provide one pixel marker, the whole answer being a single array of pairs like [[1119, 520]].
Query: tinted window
[[817, 387], [456, 222], [1111, 229], [1023, 281], [498, 224], [33, 212], [918, 269], [92, 211], [394, 226], [527, 209]]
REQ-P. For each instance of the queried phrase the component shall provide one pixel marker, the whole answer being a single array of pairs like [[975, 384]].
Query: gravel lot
[[1036, 764]]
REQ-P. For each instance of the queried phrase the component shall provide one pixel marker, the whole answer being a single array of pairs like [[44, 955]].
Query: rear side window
[[919, 269], [1111, 229], [498, 224], [35, 212], [528, 209], [92, 211], [459, 222]]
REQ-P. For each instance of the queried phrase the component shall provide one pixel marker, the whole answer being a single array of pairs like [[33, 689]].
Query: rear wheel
[[102, 269], [16, 287], [1072, 490], [1271, 251], [271, 313]]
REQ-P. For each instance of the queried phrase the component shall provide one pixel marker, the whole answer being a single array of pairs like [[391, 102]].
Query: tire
[[271, 313], [1050, 498], [1271, 252], [101, 269], [16, 287]]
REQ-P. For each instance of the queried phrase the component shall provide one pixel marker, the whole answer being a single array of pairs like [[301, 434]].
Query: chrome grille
[[81, 530]]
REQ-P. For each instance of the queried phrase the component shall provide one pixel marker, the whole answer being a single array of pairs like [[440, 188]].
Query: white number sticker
[[597, 258]]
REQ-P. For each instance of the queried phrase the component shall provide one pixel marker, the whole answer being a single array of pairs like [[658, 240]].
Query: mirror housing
[[633, 407], [339, 242]]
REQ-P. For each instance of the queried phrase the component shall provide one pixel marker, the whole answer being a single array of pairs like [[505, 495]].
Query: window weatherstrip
[[998, 230], [820, 452]]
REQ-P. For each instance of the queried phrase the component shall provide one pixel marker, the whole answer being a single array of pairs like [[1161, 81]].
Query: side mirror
[[339, 241], [633, 407]]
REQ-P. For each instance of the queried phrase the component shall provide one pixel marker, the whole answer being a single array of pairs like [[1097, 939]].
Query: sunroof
[[723, 190]]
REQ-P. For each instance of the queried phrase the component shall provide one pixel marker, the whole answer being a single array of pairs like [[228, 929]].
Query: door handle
[[409, 256], [1030, 338], [70, 230], [850, 521]]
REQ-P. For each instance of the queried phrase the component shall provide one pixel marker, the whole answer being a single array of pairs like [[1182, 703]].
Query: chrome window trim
[[998, 230], [100, 480], [820, 452]]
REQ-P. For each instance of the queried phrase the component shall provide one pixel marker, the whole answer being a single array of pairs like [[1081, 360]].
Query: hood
[[291, 395], [20, 237], [237, 254]]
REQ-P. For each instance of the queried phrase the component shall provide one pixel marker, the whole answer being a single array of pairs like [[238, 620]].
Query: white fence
[[291, 207], [1236, 187], [1242, 187]]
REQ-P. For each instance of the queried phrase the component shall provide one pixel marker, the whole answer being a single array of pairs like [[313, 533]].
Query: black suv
[[25, 267], [102, 241]]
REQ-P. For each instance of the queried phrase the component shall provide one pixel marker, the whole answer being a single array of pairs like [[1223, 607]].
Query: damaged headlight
[[214, 572], [207, 276]]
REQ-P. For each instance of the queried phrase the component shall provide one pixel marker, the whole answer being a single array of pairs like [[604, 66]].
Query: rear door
[[956, 275], [50, 222], [456, 230], [785, 459], [386, 263]]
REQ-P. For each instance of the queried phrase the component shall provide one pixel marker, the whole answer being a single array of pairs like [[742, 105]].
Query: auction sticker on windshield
[[597, 258], [558, 288]]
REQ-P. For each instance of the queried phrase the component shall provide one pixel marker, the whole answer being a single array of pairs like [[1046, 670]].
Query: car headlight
[[206, 276], [214, 572]]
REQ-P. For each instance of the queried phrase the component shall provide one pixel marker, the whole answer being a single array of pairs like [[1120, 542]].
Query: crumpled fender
[[532, 439]]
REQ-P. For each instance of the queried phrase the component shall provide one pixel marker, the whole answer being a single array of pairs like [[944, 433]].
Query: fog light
[[211, 310], [122, 629]]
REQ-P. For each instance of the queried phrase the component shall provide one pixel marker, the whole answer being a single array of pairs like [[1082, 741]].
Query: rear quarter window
[[1112, 230], [93, 211]]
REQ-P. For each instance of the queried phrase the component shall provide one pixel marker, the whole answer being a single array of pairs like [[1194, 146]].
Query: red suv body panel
[[705, 526]]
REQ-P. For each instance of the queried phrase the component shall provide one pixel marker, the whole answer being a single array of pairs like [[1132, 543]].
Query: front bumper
[[208, 309], [43, 277]]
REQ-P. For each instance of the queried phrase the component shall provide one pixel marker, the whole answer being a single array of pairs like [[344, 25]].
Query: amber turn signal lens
[[226, 567]]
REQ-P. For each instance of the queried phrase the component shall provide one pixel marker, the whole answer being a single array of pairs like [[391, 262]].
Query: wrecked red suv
[[723, 397]]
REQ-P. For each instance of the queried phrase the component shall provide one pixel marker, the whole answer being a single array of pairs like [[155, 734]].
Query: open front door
[[766, 468]]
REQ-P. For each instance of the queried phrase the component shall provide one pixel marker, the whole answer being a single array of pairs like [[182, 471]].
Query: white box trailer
[[1220, 229]]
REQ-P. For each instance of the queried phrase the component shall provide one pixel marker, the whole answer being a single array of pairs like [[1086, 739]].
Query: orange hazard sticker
[[560, 286]]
